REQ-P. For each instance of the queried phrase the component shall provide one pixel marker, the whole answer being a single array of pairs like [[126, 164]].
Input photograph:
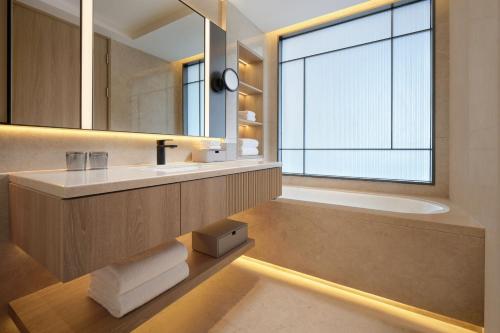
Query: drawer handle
[[234, 232]]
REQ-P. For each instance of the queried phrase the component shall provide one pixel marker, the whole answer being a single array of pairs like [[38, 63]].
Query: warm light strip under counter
[[398, 313]]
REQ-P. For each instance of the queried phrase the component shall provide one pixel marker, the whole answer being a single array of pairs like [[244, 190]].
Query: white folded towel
[[122, 277], [120, 304], [247, 115], [249, 151], [248, 143]]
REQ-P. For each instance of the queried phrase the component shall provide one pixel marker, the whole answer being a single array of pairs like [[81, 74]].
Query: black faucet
[[160, 150]]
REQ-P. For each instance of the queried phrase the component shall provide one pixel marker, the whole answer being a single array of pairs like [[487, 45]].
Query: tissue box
[[209, 155], [219, 238]]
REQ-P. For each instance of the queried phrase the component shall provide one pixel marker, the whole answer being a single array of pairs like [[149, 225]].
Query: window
[[193, 98], [356, 98]]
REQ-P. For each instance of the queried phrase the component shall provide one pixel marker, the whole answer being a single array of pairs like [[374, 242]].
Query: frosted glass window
[[293, 161], [412, 91], [371, 28], [413, 165], [193, 99], [193, 109], [356, 98], [292, 91], [412, 18], [192, 73], [348, 98]]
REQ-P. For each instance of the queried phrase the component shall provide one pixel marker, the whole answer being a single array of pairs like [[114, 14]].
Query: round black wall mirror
[[227, 80]]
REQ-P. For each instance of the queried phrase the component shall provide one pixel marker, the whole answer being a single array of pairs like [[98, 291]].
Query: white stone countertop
[[72, 184]]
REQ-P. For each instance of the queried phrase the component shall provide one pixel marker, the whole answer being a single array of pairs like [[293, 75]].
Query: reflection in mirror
[[148, 67], [45, 70]]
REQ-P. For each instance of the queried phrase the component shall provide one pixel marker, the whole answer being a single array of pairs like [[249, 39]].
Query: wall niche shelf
[[250, 97], [65, 307], [244, 122], [248, 89]]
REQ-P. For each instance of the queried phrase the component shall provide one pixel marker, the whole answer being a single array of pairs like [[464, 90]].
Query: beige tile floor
[[243, 298]]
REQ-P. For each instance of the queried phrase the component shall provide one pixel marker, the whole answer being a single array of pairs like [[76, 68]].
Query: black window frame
[[386, 8]]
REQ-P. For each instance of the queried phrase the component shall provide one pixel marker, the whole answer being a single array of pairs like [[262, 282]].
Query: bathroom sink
[[174, 167]]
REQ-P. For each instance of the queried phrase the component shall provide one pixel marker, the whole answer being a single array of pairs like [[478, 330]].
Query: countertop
[[72, 184]]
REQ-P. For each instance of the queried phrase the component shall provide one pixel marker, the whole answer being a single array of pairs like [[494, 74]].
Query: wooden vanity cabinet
[[73, 237]]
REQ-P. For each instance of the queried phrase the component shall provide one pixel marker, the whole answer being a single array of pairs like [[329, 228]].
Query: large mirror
[[149, 62], [149, 72], [45, 63]]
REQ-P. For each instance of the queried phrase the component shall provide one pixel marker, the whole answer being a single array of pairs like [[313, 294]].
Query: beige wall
[[440, 189], [475, 129]]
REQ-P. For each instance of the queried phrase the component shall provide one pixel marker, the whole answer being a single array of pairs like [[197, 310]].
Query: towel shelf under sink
[[65, 307]]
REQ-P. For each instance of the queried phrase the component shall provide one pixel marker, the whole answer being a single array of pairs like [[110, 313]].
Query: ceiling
[[269, 15], [167, 29]]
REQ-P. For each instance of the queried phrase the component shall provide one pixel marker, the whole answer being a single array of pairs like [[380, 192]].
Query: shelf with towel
[[65, 307], [249, 123]]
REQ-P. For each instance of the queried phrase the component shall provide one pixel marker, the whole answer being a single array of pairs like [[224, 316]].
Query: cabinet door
[[203, 202], [102, 229], [247, 190]]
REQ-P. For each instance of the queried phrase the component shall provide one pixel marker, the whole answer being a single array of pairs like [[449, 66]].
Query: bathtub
[[429, 255], [380, 202]]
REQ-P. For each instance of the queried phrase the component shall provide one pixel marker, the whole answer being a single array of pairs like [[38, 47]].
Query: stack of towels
[[247, 115], [248, 147], [120, 288]]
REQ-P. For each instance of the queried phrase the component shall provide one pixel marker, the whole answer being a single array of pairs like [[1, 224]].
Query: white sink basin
[[174, 167]]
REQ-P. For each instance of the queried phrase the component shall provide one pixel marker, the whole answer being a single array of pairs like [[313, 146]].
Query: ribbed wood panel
[[248, 189]]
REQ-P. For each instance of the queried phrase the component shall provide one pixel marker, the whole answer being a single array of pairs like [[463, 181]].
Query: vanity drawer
[[77, 236]]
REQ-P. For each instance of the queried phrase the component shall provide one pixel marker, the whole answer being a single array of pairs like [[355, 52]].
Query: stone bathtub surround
[[432, 262]]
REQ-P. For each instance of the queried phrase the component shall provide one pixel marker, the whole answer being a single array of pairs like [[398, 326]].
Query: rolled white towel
[[121, 304], [248, 143], [122, 277], [249, 151]]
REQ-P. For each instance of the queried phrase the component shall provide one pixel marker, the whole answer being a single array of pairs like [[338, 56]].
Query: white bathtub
[[381, 202]]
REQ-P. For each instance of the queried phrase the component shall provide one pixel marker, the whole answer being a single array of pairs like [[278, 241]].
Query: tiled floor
[[242, 298]]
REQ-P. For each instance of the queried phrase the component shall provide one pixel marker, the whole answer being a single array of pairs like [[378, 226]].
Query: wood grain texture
[[36, 226], [3, 61], [202, 202], [247, 190], [101, 70], [46, 70], [103, 229], [66, 307], [75, 237]]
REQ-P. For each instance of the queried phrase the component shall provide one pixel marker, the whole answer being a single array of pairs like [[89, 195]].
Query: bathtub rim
[[456, 220], [445, 206]]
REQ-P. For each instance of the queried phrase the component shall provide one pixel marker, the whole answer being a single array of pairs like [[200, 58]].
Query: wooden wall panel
[[248, 189], [3, 60], [202, 202], [102, 229], [100, 82], [46, 70]]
